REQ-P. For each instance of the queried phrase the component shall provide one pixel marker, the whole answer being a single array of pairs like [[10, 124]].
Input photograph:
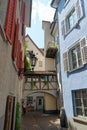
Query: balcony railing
[[52, 50]]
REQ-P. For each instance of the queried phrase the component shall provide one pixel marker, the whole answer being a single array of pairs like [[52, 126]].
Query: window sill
[[76, 68], [80, 119]]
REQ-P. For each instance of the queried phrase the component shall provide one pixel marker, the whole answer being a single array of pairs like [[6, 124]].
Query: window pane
[[85, 111], [71, 19], [84, 93], [73, 56], [78, 102], [85, 102], [78, 94], [74, 17], [79, 111]]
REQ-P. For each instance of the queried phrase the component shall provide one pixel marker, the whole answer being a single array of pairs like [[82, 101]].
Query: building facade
[[12, 32], [40, 84], [72, 21]]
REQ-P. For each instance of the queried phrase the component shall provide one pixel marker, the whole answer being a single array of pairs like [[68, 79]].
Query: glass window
[[40, 102], [80, 102], [75, 57], [40, 63], [30, 100], [71, 20]]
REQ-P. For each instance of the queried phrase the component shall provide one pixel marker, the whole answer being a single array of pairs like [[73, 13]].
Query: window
[[72, 17], [80, 102], [10, 20], [71, 20], [66, 1], [40, 102], [30, 100], [76, 56], [40, 63]]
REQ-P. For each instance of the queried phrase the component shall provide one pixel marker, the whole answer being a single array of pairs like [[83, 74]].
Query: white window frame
[[79, 14], [82, 55], [40, 63], [77, 60], [70, 13], [82, 107]]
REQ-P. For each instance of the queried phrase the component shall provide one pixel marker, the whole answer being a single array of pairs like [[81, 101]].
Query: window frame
[[83, 54], [40, 63], [77, 59], [82, 106], [79, 15], [70, 14], [30, 100]]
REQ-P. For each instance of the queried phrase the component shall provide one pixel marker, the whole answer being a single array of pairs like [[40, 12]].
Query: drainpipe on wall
[[59, 78]]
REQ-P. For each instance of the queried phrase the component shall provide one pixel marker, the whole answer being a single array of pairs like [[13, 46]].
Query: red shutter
[[10, 20], [13, 20], [18, 55], [20, 63], [23, 12], [16, 40], [23, 18]]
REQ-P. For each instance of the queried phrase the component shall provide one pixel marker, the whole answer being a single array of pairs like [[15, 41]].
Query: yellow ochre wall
[[50, 102]]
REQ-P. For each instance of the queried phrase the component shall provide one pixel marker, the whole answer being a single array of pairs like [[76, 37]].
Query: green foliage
[[27, 60], [18, 117], [25, 48], [28, 64], [53, 45]]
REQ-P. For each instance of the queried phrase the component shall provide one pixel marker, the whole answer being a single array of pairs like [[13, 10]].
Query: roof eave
[[55, 3]]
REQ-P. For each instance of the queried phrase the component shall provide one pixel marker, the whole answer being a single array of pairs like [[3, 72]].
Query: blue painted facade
[[76, 79]]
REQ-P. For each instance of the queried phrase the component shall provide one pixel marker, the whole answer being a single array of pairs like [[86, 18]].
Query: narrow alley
[[40, 121]]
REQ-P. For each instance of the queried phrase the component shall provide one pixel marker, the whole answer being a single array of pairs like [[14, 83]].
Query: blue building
[[72, 23]]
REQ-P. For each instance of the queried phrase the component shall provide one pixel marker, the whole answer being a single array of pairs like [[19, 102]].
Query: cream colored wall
[[50, 102], [49, 62], [38, 54], [10, 84]]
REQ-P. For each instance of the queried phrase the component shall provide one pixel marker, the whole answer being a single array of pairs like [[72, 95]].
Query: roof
[[35, 44]]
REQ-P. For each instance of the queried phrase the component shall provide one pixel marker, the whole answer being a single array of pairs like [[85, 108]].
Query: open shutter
[[84, 49], [63, 27], [65, 61], [23, 18], [16, 41], [18, 55], [13, 20], [23, 13], [10, 20], [79, 9]]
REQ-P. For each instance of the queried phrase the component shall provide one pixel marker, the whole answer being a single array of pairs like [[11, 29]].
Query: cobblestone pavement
[[40, 121]]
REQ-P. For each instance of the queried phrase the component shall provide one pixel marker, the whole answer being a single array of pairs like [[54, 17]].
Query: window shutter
[[79, 9], [18, 55], [13, 20], [16, 41], [10, 20], [23, 12], [23, 18], [65, 61], [84, 50], [63, 27]]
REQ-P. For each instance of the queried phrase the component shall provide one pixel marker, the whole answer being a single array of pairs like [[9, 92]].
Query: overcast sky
[[41, 10]]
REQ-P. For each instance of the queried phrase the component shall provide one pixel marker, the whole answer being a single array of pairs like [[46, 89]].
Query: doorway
[[40, 103]]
